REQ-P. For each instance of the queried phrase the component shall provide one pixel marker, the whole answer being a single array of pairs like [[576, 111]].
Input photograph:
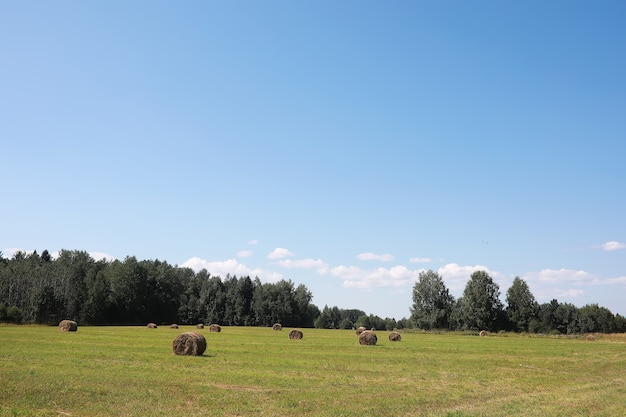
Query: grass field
[[245, 371]]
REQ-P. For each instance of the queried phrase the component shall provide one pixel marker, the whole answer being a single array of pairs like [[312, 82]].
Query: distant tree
[[481, 307], [593, 318], [548, 322], [325, 319], [521, 309], [566, 316], [432, 302]]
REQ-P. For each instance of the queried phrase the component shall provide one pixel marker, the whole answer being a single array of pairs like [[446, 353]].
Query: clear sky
[[343, 145]]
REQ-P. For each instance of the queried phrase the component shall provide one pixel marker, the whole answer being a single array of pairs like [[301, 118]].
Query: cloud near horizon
[[309, 263], [420, 260], [369, 256], [456, 276], [556, 276], [279, 253], [613, 245], [355, 277], [232, 267]]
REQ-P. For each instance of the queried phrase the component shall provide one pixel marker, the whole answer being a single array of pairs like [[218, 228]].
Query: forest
[[41, 289]]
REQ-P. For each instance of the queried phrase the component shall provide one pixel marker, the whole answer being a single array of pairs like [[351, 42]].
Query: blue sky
[[343, 145]]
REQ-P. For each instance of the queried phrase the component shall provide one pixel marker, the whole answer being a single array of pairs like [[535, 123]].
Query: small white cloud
[[279, 253], [420, 260], [244, 254], [553, 276], [355, 277], [369, 256], [232, 267], [456, 276], [613, 245], [8, 253], [253, 242], [570, 293], [98, 256], [321, 266]]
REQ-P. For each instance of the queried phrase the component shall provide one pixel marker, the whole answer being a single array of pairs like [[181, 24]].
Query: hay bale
[[173, 326], [68, 326], [590, 338], [189, 343], [277, 326], [152, 326], [199, 326], [215, 328], [395, 337], [368, 337], [296, 334], [483, 333], [360, 330]]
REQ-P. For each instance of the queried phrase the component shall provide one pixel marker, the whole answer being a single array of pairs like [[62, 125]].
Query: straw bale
[[68, 326], [189, 343], [360, 330], [395, 337], [368, 337], [296, 334], [215, 328], [152, 326], [199, 326], [277, 326], [483, 333]]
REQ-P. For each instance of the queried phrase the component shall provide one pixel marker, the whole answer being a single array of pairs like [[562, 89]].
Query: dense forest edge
[[40, 289]]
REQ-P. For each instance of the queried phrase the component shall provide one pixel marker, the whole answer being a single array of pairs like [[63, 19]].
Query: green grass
[[131, 371]]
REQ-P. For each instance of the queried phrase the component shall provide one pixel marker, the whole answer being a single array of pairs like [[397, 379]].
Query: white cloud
[[355, 277], [456, 276], [253, 242], [232, 267], [556, 276], [369, 256], [8, 253], [570, 293], [279, 253], [98, 256], [613, 245], [321, 266], [244, 254], [420, 260]]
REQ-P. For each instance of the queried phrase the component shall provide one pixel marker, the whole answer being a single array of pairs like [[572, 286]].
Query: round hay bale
[[68, 326], [215, 328], [199, 326], [152, 326], [296, 334], [360, 330], [591, 338], [277, 326], [189, 343], [483, 333], [395, 337], [173, 326], [368, 337]]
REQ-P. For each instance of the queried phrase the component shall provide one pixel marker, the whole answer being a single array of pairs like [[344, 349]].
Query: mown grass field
[[131, 371]]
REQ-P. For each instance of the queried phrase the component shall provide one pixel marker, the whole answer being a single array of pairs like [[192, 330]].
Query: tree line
[[480, 308], [41, 289]]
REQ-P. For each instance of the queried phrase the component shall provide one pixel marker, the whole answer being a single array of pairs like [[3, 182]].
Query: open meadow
[[248, 371]]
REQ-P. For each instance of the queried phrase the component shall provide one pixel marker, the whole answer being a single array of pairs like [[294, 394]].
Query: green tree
[[521, 309], [481, 308], [593, 318], [432, 302]]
